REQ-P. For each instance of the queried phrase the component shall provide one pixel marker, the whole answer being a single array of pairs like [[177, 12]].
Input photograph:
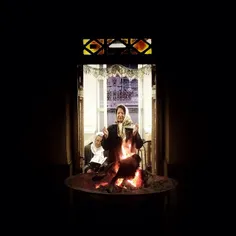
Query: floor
[[44, 202]]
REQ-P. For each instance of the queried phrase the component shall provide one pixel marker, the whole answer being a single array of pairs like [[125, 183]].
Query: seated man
[[95, 156]]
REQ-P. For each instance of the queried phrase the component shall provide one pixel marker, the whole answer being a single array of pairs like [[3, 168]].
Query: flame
[[137, 180], [100, 184], [128, 150], [119, 181]]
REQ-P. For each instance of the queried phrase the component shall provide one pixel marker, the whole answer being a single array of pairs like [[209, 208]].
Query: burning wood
[[149, 183], [127, 167], [123, 175], [119, 173]]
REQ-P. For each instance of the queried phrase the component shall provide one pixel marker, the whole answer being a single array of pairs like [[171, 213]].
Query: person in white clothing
[[94, 154]]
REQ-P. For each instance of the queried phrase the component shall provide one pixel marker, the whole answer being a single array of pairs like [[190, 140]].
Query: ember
[[150, 184]]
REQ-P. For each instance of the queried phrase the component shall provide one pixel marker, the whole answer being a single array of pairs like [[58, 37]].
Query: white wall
[[147, 106], [90, 107]]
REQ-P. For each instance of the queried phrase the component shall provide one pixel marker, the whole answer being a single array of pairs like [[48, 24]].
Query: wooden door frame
[[158, 99]]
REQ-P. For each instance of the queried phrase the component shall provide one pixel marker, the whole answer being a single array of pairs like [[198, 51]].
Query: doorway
[[104, 87], [104, 92], [101, 99]]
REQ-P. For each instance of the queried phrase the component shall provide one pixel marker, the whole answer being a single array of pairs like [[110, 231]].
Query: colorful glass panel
[[116, 46]]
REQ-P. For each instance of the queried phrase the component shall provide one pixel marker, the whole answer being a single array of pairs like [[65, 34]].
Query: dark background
[[40, 56]]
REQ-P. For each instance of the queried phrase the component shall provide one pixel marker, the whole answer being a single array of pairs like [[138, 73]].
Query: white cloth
[[98, 154], [127, 122]]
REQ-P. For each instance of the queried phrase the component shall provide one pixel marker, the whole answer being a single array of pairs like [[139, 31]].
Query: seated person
[[95, 156]]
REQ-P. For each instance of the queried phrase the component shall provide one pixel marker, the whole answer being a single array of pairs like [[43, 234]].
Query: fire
[[101, 184], [128, 150], [135, 182]]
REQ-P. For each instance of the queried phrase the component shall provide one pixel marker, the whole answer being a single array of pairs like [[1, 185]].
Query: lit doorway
[[106, 86], [94, 74]]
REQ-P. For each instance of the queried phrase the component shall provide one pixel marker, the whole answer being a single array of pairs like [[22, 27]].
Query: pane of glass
[[149, 51], [148, 40], [132, 41], [133, 52], [126, 41], [141, 46], [101, 41], [122, 46], [93, 46], [85, 52], [109, 41], [101, 52], [117, 44], [85, 41]]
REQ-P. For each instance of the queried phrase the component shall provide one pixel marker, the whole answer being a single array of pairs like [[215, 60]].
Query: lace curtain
[[118, 70]]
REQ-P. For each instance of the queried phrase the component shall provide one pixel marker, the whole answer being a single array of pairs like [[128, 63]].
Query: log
[[127, 168]]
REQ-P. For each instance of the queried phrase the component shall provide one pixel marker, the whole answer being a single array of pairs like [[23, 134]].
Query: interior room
[[56, 119]]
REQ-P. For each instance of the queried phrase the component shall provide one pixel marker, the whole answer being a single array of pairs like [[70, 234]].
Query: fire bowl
[[157, 186]]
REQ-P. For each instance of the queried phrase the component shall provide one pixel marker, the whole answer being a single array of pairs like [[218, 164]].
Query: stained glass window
[[117, 46]]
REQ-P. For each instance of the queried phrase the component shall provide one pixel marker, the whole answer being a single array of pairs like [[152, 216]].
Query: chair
[[145, 153], [87, 154]]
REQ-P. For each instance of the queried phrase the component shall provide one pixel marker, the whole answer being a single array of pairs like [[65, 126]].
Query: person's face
[[120, 115], [98, 141]]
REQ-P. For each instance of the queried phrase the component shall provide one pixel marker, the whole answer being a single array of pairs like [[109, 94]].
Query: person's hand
[[135, 130], [89, 171], [105, 132]]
